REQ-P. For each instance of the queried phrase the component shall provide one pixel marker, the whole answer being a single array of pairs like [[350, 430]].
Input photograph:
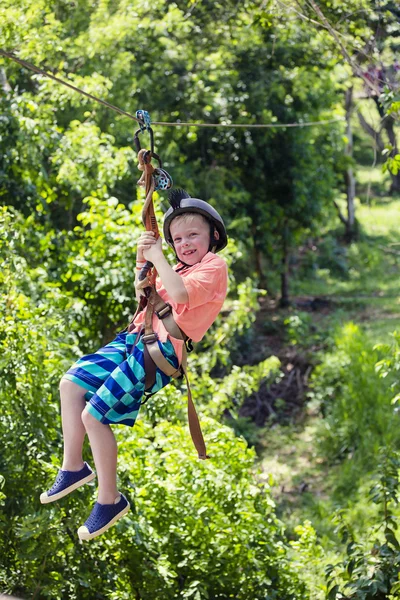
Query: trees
[[233, 64], [194, 530], [367, 36]]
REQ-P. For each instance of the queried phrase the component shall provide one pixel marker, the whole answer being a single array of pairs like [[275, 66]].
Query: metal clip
[[164, 312], [149, 338], [144, 120], [144, 125]]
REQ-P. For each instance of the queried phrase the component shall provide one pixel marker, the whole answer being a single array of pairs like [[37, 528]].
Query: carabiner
[[144, 119], [144, 124]]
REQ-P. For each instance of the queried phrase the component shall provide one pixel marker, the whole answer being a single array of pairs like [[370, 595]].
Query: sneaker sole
[[86, 535], [44, 499]]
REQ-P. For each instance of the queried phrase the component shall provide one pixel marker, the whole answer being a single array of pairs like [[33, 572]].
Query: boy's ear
[[216, 234]]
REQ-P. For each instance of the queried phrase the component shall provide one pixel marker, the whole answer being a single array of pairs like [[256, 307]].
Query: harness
[[151, 300]]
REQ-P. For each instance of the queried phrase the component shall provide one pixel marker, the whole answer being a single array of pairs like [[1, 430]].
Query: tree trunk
[[5, 86], [285, 300], [259, 271], [349, 221], [257, 259], [349, 175]]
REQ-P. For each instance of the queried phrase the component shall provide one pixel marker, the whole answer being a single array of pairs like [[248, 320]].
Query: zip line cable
[[39, 71]]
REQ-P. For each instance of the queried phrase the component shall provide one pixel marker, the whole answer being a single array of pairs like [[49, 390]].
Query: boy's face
[[191, 238]]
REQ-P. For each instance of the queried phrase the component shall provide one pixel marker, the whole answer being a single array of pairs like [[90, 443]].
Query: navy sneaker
[[66, 482], [102, 517]]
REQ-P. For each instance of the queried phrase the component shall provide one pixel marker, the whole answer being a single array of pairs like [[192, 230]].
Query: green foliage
[[389, 365], [58, 147], [201, 530], [392, 163], [328, 253], [308, 556], [95, 262], [197, 530], [355, 402], [298, 328], [371, 566]]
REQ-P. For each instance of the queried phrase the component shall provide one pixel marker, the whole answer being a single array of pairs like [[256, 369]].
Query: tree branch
[[341, 217], [376, 135], [355, 67]]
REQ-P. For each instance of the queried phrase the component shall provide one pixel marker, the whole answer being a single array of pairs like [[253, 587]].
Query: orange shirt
[[206, 283]]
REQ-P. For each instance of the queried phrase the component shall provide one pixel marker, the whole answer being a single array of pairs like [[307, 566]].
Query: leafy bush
[[371, 567], [299, 328], [309, 558], [354, 400], [326, 253], [389, 366], [196, 530]]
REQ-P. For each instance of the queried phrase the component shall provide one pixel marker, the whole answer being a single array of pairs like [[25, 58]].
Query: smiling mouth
[[188, 252]]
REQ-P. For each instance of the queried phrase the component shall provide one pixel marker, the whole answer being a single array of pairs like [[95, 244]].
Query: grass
[[305, 487], [372, 184], [364, 283]]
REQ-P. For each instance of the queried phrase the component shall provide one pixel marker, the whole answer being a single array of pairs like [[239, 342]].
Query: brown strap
[[156, 303], [194, 423], [141, 306], [159, 359], [150, 370]]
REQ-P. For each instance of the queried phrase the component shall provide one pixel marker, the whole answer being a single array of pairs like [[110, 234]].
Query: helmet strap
[[213, 242]]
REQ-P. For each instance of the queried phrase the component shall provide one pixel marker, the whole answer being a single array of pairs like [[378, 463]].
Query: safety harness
[[150, 299]]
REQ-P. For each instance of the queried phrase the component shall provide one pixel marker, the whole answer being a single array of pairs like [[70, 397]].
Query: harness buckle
[[150, 338], [164, 312]]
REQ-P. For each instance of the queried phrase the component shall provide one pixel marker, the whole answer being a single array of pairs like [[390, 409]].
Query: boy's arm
[[171, 280], [139, 267], [151, 249]]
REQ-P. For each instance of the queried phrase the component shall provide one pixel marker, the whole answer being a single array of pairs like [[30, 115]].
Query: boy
[[107, 387]]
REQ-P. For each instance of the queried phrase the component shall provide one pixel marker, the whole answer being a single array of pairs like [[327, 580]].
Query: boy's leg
[[72, 406], [104, 450], [74, 472]]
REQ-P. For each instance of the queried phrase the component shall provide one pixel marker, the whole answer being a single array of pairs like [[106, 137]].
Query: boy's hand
[[149, 248]]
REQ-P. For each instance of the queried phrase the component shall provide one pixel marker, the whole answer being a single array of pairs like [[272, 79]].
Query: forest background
[[296, 383]]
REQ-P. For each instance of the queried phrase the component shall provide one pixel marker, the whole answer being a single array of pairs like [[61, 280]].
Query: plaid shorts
[[114, 378]]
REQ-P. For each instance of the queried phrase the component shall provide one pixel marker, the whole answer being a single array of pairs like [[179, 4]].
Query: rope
[[28, 65], [251, 125], [32, 67]]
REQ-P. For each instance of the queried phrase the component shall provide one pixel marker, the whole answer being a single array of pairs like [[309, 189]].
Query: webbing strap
[[156, 304], [194, 423]]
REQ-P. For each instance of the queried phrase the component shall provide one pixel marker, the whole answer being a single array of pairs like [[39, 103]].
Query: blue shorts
[[114, 378]]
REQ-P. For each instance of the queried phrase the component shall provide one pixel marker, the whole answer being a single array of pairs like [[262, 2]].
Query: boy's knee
[[88, 420], [69, 389], [66, 385]]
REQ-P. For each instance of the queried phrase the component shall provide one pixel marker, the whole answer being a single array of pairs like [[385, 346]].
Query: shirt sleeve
[[206, 284]]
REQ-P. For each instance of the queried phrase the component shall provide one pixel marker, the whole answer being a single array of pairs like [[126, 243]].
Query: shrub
[[197, 529], [354, 400], [370, 570]]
